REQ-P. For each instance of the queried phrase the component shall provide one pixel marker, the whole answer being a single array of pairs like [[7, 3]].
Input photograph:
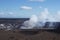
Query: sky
[[26, 8]]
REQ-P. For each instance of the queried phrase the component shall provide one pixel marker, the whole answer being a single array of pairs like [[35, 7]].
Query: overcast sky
[[26, 8]]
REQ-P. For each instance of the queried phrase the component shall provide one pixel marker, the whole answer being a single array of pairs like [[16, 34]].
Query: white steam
[[39, 21], [30, 23]]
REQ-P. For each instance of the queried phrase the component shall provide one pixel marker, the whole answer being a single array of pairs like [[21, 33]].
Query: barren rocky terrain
[[17, 35]]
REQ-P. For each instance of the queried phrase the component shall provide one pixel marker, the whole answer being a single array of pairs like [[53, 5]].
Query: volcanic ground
[[17, 35]]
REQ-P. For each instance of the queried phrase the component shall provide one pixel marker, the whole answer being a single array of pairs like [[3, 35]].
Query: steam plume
[[40, 21]]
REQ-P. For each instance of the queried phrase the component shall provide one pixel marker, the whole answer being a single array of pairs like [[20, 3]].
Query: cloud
[[46, 16], [26, 7], [10, 13], [38, 0], [7, 14], [43, 15], [40, 7], [58, 12], [1, 13], [58, 16]]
